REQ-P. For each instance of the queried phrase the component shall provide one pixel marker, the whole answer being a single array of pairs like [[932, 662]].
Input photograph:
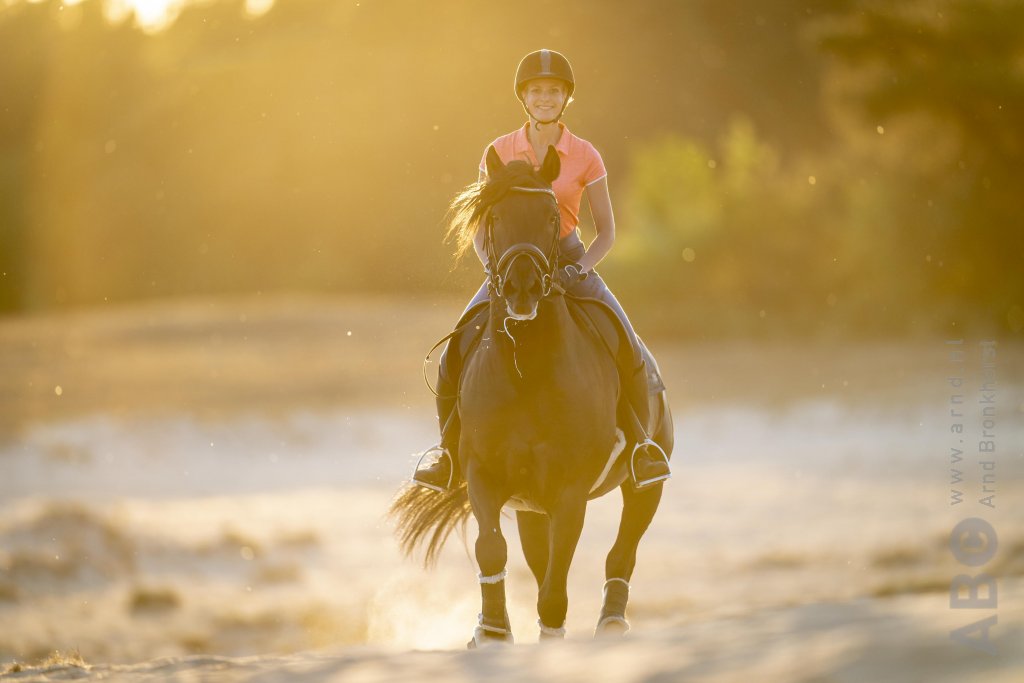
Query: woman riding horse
[[544, 84], [538, 399]]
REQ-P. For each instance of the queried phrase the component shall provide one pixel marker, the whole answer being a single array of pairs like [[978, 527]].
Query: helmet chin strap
[[537, 122]]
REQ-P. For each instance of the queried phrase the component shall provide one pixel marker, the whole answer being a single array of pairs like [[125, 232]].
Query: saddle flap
[[607, 325], [602, 321]]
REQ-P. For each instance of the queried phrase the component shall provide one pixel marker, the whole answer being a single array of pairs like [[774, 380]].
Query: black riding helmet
[[544, 64]]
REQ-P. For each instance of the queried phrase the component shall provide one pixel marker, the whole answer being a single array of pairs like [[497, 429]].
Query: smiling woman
[[153, 16]]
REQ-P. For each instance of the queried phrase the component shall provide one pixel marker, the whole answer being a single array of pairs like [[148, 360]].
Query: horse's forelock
[[470, 206]]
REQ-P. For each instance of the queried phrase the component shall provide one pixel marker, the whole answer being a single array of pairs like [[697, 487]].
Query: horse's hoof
[[483, 638], [611, 627]]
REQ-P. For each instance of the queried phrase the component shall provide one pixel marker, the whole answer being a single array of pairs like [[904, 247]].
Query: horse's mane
[[469, 206]]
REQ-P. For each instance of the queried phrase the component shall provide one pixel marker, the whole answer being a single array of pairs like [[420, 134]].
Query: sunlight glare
[[153, 16], [257, 8], [150, 15], [406, 616]]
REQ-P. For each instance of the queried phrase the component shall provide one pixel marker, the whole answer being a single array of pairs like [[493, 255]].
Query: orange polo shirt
[[581, 166]]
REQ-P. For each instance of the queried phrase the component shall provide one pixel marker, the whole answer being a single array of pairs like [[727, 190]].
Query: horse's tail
[[422, 513]]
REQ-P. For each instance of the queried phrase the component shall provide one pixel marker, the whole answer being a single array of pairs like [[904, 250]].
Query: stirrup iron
[[632, 464], [441, 452]]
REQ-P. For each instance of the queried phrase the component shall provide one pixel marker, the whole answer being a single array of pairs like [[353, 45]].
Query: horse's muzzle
[[521, 316]]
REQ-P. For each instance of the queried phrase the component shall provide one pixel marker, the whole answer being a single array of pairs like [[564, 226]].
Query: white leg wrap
[[615, 579], [604, 625], [481, 639], [553, 632], [490, 629], [497, 578]]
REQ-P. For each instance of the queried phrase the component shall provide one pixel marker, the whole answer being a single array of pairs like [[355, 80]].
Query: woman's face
[[544, 97]]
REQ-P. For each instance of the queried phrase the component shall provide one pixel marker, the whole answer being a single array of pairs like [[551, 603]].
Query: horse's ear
[[551, 167], [493, 162]]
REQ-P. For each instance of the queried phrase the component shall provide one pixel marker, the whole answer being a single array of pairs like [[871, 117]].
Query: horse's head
[[522, 227]]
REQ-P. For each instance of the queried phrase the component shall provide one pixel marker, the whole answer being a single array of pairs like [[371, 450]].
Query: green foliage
[[912, 219], [671, 197], [945, 82], [729, 233]]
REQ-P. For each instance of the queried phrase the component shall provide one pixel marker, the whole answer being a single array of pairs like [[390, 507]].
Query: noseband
[[542, 263]]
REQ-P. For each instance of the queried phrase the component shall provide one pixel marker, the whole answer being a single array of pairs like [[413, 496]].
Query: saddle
[[594, 314], [468, 330]]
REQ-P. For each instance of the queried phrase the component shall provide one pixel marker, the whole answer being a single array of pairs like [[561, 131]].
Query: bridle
[[543, 264]]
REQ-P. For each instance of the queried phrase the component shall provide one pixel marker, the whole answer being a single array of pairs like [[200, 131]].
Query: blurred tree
[[316, 146], [27, 33], [730, 235], [944, 82]]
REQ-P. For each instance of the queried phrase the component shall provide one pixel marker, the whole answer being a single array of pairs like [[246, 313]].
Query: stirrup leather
[[441, 452], [632, 464]]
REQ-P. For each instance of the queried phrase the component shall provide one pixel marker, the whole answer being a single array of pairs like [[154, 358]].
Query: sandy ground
[[196, 491]]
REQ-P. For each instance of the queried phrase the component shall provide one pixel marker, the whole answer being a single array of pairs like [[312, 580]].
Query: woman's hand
[[569, 275]]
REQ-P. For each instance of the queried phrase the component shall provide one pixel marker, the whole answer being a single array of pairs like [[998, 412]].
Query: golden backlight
[[222, 264], [760, 169]]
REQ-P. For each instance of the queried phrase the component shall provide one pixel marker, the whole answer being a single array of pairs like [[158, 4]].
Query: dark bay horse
[[538, 403]]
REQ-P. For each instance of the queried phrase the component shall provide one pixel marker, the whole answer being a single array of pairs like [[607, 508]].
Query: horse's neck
[[545, 339]]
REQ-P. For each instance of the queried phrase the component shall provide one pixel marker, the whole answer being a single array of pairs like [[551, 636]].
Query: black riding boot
[[648, 462], [437, 466]]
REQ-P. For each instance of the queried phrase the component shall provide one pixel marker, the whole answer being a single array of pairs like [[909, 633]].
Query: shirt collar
[[562, 147]]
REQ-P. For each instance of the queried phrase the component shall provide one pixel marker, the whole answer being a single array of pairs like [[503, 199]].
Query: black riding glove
[[570, 275]]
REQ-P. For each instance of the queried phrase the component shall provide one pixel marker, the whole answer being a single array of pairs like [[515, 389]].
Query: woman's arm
[[604, 223]]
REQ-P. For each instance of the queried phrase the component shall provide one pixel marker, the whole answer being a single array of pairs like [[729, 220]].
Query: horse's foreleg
[[638, 508], [491, 556], [553, 599], [534, 531]]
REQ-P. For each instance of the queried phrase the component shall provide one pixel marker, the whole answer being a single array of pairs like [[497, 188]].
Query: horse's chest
[[540, 403], [539, 424], [534, 401]]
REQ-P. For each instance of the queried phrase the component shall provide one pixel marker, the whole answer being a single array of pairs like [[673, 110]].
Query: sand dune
[[202, 502], [865, 640]]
